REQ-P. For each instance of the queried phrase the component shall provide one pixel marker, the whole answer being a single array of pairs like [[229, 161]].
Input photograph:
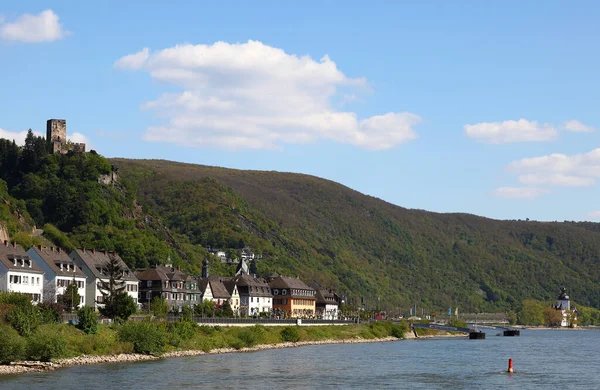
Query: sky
[[489, 108]]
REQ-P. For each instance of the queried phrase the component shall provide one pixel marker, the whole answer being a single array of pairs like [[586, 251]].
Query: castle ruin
[[56, 136]]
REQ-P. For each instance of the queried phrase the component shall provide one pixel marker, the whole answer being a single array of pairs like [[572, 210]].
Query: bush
[[46, 344], [159, 307], [147, 337], [50, 313], [24, 319], [290, 333], [12, 347], [185, 329], [88, 320]]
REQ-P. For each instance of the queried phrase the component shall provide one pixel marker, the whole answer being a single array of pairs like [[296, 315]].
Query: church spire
[[205, 268]]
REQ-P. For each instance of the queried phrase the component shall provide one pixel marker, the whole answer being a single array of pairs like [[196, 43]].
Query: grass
[[134, 337]]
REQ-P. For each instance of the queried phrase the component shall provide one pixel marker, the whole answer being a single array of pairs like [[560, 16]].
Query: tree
[[88, 320], [113, 287], [552, 317], [123, 306], [532, 313], [159, 307], [205, 309], [226, 310], [71, 298]]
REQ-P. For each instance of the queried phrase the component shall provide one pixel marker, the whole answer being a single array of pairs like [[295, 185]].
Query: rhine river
[[549, 359]]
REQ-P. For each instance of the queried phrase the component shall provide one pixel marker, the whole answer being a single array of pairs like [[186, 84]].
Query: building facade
[[59, 271], [293, 297], [19, 273], [176, 287], [93, 264], [255, 295]]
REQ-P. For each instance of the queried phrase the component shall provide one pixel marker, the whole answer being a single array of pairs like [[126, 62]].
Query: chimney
[[105, 253], [58, 249], [94, 251], [14, 244], [39, 247], [83, 250], [5, 242]]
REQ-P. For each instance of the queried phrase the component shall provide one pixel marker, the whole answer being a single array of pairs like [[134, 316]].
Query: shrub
[[12, 347], [159, 307], [147, 337], [88, 320], [50, 313], [290, 333], [46, 344], [24, 319], [185, 329]]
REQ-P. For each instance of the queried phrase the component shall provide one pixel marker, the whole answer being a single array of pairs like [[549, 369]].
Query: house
[[176, 287], [328, 302], [213, 289], [235, 295], [59, 272], [19, 273], [255, 295], [93, 265], [293, 297]]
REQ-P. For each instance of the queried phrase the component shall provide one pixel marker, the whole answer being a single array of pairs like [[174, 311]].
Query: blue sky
[[466, 106]]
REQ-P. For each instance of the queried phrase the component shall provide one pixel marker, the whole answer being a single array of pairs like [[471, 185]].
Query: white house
[[235, 296], [59, 272], [93, 264], [19, 273], [255, 295], [569, 315]]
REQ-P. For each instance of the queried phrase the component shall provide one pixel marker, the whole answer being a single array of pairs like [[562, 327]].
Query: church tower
[[205, 268]]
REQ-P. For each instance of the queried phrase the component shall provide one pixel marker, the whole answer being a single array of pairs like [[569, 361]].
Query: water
[[542, 359]]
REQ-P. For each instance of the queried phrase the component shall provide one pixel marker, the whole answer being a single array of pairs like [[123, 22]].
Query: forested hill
[[322, 230], [159, 211]]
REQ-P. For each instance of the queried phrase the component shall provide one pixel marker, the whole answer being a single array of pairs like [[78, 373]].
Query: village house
[[293, 296], [235, 295], [93, 264], [59, 272], [175, 286], [213, 289], [19, 273], [327, 304], [255, 295]]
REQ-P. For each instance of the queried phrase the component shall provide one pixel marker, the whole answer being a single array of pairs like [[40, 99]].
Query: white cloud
[[559, 169], [557, 179], [43, 27], [18, 137], [133, 61], [593, 214], [577, 127], [252, 95], [511, 131], [519, 192]]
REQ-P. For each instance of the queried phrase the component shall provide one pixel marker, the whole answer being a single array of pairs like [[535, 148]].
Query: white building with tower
[[569, 314]]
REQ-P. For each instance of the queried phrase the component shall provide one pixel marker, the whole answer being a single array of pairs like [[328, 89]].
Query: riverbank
[[36, 366]]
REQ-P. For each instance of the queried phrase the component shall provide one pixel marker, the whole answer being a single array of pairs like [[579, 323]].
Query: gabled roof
[[325, 296], [256, 287], [52, 255], [152, 274], [229, 285], [95, 260], [218, 289], [287, 282], [8, 253]]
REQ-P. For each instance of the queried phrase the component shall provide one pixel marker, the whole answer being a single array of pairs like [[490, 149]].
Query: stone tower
[[56, 134]]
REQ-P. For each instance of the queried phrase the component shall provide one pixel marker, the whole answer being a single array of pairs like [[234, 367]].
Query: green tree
[[226, 310], [88, 320], [205, 309], [24, 319], [113, 287], [71, 298], [159, 307], [552, 317], [532, 313], [123, 306]]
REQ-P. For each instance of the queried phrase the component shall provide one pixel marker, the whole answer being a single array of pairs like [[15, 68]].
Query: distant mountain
[[377, 252]]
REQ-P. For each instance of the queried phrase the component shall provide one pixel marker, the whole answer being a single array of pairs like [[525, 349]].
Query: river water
[[549, 359]]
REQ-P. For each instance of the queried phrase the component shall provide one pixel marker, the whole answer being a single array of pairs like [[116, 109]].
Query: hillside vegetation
[[321, 230], [375, 252]]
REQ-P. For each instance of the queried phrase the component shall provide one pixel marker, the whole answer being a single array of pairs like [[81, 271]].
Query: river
[[549, 359]]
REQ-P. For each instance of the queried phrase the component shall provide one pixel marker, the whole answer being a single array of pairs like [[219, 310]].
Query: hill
[[321, 230]]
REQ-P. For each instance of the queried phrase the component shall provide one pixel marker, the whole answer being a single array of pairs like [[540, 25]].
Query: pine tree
[[70, 299], [111, 288]]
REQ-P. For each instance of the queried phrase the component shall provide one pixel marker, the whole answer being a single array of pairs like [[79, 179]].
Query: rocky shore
[[32, 366]]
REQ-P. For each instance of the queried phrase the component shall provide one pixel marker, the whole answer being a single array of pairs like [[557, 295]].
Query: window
[[80, 300], [25, 279], [148, 295], [149, 283], [283, 292]]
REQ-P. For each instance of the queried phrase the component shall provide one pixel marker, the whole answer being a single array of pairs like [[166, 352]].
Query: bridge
[[473, 330]]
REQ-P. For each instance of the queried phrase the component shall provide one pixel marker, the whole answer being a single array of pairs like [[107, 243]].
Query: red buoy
[[510, 366]]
